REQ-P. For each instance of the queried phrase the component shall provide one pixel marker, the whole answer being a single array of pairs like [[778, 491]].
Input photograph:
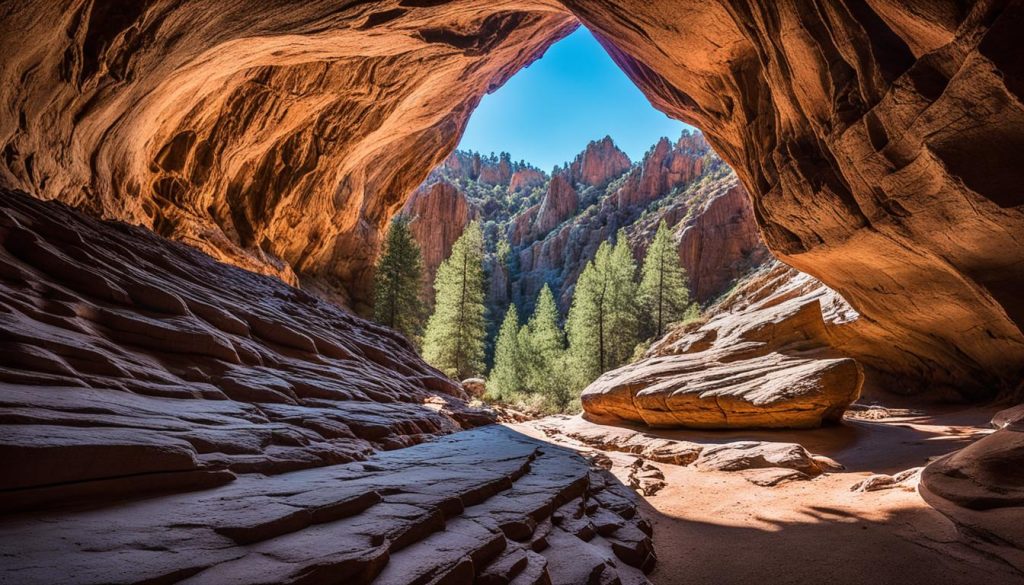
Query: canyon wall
[[878, 139], [281, 137], [683, 183]]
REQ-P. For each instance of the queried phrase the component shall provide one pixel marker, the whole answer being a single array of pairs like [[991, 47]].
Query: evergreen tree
[[507, 375], [397, 302], [546, 364], [454, 341], [586, 325], [546, 336], [623, 310], [664, 293], [602, 324]]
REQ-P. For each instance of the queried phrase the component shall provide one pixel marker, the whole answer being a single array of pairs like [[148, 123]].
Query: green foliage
[[664, 293], [603, 321], [456, 332], [508, 374], [546, 370], [530, 361], [397, 302]]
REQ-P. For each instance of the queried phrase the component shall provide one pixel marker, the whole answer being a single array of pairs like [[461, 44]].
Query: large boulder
[[770, 363], [981, 488]]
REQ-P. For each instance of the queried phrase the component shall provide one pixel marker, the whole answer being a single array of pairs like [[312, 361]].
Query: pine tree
[[664, 292], [623, 309], [602, 324], [545, 335], [455, 337], [506, 378], [586, 325], [546, 358], [397, 302]]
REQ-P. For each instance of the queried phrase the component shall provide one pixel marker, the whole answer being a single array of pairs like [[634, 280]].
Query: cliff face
[[683, 183], [279, 139], [440, 213], [601, 162]]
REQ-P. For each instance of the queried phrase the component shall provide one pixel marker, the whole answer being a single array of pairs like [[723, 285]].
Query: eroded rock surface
[[129, 362], [279, 138], [277, 438], [493, 506], [981, 488], [284, 139], [763, 463], [766, 361]]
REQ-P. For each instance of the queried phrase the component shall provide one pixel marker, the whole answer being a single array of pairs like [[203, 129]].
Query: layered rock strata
[[761, 462], [279, 138], [277, 438], [768, 360], [865, 132], [493, 507]]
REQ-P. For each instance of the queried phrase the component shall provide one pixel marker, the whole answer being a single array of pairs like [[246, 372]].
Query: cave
[[193, 195]]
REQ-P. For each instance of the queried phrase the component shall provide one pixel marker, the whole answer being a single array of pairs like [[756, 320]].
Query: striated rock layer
[[276, 136], [877, 140], [283, 137], [771, 356], [277, 438]]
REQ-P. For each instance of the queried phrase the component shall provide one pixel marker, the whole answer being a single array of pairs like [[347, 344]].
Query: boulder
[[474, 387], [765, 362]]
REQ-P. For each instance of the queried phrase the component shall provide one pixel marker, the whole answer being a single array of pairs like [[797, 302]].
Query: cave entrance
[[561, 158]]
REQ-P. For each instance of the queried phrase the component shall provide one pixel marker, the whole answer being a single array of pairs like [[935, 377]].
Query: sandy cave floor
[[718, 528]]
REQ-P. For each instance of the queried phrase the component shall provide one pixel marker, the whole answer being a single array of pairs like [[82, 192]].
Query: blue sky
[[549, 111]]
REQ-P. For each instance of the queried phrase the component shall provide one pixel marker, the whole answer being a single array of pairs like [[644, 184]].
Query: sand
[[718, 528]]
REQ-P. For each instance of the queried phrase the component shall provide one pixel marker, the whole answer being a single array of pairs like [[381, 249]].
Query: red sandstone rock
[[599, 163], [258, 134], [440, 213], [526, 179], [559, 203], [712, 218], [768, 360]]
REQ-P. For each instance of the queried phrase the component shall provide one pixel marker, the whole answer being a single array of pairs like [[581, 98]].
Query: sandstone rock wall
[[599, 163], [683, 183], [439, 213], [278, 136], [283, 137], [877, 140]]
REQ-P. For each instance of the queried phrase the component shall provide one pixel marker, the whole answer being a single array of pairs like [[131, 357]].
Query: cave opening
[[193, 196]]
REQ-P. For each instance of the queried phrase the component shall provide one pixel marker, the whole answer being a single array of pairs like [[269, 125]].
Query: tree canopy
[[456, 332], [397, 302]]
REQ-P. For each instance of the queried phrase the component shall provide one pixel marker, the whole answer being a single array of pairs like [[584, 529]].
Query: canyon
[[554, 224], [179, 180]]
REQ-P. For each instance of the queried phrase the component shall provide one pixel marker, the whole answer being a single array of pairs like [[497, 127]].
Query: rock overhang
[[284, 140]]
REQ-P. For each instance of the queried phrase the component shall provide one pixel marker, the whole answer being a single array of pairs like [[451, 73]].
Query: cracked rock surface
[[167, 418]]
